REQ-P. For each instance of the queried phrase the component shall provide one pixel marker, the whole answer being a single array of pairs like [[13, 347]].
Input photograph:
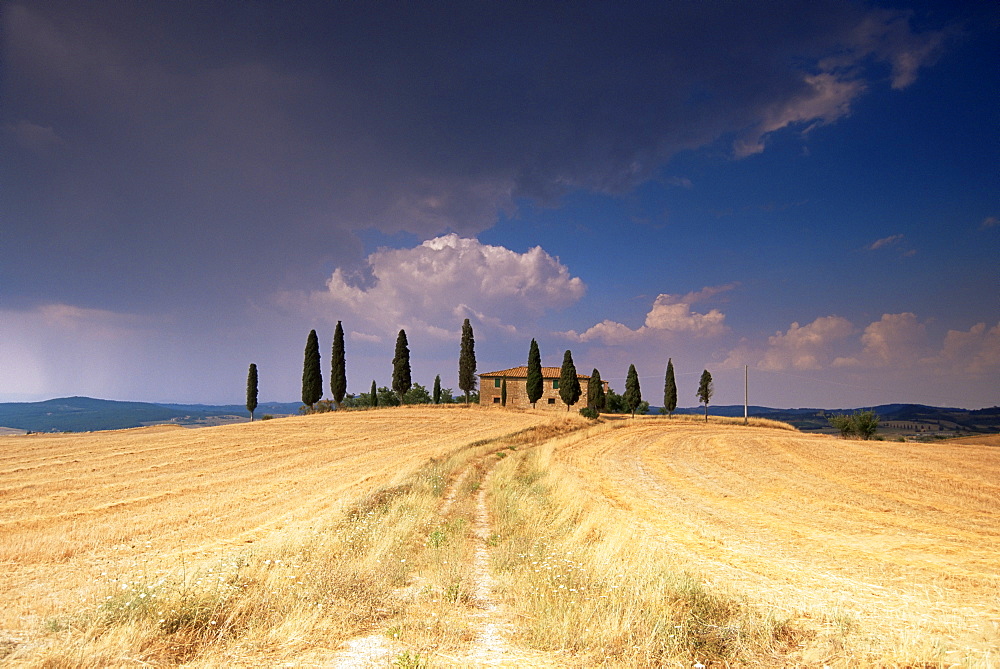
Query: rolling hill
[[85, 414], [902, 418]]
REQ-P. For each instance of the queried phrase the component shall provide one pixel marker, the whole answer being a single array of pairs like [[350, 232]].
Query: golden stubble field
[[893, 545], [814, 550], [75, 506]]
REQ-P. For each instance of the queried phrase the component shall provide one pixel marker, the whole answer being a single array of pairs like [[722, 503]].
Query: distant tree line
[[597, 400], [404, 391]]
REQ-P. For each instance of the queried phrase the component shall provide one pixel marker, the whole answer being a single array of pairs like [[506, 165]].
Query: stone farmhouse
[[517, 392]]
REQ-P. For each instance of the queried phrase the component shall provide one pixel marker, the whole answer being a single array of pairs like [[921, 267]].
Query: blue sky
[[809, 189]]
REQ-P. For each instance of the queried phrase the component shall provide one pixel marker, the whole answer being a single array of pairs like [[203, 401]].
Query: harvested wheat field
[[80, 511], [484, 537], [882, 553]]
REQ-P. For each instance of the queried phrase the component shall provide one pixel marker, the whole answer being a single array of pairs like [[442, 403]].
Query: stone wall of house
[[517, 394]]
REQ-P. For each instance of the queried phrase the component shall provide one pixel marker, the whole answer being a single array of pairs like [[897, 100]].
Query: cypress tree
[[374, 394], [338, 371], [633, 394], [312, 377], [467, 361], [705, 390], [670, 389], [252, 390], [569, 382], [595, 392], [401, 380], [437, 389], [534, 382], [503, 392]]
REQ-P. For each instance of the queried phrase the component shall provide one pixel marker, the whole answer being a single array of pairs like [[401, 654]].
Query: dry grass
[[884, 553], [253, 540], [586, 581], [623, 543], [723, 420], [981, 440]]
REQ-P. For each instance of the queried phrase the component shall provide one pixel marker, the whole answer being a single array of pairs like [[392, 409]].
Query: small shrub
[[863, 424], [267, 416], [587, 412], [843, 423]]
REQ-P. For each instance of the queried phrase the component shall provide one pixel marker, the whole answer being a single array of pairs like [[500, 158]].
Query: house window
[[496, 400], [496, 383], [555, 384], [552, 400]]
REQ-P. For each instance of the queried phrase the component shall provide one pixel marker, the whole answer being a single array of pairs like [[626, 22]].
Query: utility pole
[[746, 392]]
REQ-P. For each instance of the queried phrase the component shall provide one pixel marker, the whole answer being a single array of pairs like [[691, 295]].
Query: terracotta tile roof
[[522, 373]]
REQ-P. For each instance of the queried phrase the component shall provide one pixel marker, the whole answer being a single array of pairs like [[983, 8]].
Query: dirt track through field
[[902, 538], [483, 614], [493, 624]]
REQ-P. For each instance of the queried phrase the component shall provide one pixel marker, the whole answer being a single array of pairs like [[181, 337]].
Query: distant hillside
[[902, 418], [83, 414]]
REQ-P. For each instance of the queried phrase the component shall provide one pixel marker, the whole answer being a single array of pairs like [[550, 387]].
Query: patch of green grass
[[410, 660]]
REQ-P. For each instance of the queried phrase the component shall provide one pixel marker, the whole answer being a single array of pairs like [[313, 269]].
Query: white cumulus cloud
[[670, 314], [897, 340], [806, 346], [435, 285], [801, 347], [974, 352]]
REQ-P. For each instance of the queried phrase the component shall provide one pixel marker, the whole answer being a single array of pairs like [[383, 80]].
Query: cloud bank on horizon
[[186, 190]]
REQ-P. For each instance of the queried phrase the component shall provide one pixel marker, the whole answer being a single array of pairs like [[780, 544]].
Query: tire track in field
[[491, 621], [485, 615]]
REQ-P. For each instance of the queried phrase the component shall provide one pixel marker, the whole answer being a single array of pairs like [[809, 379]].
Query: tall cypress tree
[[633, 394], [705, 390], [401, 380], [669, 389], [338, 371], [503, 392], [595, 392], [467, 361], [535, 381], [437, 389], [312, 377], [252, 390], [374, 394], [569, 382]]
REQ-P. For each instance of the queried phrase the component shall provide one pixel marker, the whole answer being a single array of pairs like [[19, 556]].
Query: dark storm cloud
[[158, 151]]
